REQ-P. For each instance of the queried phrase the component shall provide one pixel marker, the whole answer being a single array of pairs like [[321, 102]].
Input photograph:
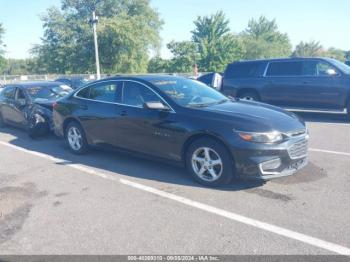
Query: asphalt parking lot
[[53, 202]]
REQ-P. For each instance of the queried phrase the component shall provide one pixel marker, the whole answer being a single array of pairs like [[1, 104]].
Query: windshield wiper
[[199, 105]]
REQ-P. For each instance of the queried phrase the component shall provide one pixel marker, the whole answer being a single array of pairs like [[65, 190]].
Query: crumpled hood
[[47, 103], [258, 117]]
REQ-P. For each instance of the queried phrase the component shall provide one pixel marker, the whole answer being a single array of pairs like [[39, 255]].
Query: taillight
[[54, 106]]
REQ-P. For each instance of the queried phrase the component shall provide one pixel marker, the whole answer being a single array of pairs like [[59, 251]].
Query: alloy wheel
[[75, 138], [207, 164]]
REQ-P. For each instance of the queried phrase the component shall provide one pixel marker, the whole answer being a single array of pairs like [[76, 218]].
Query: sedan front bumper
[[266, 162]]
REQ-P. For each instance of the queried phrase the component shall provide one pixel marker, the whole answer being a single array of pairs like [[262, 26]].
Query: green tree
[[2, 59], [127, 31], [212, 46], [308, 49], [262, 39], [158, 65], [185, 56], [216, 45], [347, 55], [20, 66], [336, 54]]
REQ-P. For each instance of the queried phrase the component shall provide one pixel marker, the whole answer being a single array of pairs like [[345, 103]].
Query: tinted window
[[285, 69], [103, 92], [135, 94], [20, 94], [206, 79], [9, 92], [84, 93], [242, 70], [325, 69]]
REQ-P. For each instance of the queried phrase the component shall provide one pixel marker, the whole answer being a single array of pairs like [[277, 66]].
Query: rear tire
[[209, 162], [249, 96], [76, 139]]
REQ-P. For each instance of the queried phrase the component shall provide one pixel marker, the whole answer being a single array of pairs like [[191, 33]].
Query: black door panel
[[147, 131], [99, 111]]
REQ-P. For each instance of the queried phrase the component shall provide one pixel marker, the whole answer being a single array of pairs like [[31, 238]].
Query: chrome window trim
[[267, 67], [115, 103], [305, 76]]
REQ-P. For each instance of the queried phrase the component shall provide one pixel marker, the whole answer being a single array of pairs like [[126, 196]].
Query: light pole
[[94, 25]]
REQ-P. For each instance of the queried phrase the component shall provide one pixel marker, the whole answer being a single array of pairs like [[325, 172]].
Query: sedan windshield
[[190, 93], [48, 92]]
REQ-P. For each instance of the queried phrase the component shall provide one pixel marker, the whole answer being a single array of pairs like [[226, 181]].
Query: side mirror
[[156, 106], [21, 102]]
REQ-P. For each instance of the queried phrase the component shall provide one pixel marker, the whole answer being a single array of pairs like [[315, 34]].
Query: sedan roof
[[148, 78]]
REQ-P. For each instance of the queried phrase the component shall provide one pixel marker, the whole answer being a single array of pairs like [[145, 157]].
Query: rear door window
[[103, 92], [309, 68], [278, 69], [241, 70]]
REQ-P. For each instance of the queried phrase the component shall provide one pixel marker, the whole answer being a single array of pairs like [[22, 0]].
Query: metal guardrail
[[8, 79]]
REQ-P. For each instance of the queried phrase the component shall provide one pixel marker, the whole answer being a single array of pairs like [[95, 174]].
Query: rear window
[[285, 69], [241, 70]]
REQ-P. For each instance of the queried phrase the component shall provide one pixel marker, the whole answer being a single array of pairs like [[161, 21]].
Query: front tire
[[76, 139], [209, 162]]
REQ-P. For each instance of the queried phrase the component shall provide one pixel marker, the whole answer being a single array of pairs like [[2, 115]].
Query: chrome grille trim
[[298, 150], [296, 133]]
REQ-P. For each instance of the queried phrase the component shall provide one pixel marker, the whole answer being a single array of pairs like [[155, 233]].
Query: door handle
[[306, 82], [123, 113]]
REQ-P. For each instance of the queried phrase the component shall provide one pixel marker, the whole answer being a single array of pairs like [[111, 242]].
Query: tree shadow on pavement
[[125, 164]]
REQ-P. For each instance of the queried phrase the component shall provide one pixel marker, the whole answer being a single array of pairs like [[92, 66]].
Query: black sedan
[[29, 105], [178, 119]]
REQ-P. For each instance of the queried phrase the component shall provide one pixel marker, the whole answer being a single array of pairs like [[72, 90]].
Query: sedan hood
[[258, 117]]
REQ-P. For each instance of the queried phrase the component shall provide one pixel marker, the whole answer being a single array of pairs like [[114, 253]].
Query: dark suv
[[299, 84]]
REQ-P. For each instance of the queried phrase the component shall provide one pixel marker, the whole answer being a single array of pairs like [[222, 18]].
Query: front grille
[[298, 150]]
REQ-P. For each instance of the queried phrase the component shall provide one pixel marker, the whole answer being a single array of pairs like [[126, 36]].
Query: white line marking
[[335, 124], [342, 250], [245, 220], [329, 152]]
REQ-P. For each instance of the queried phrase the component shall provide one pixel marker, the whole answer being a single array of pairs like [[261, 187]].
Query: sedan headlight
[[270, 137]]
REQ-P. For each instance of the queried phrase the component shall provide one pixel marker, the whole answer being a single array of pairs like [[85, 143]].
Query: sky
[[327, 21]]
